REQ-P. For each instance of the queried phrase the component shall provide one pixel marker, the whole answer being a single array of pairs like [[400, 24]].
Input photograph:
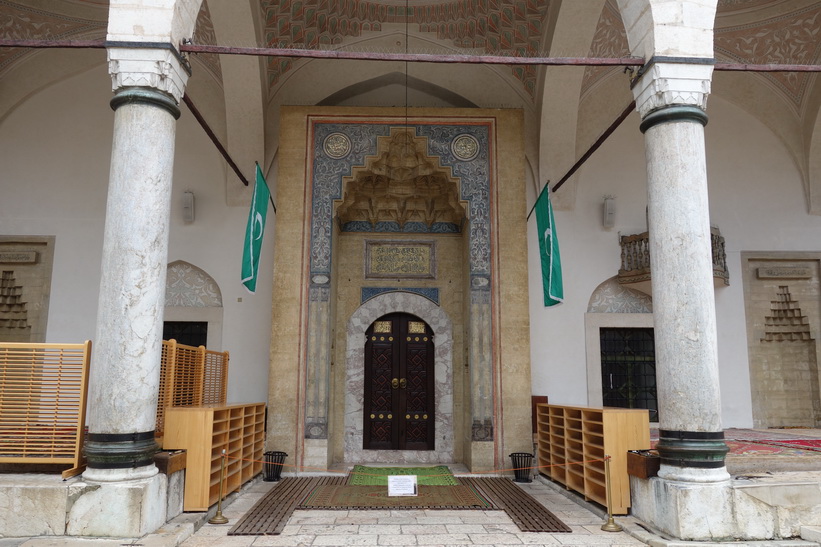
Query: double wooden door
[[399, 384]]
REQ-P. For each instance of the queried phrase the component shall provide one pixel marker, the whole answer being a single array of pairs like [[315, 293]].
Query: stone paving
[[416, 527]]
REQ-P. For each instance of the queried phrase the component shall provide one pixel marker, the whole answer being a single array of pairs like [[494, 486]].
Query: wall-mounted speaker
[[188, 206], [608, 218]]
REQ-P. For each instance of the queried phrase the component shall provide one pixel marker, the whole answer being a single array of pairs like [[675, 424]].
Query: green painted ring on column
[[145, 95], [705, 450], [120, 450], [673, 113]]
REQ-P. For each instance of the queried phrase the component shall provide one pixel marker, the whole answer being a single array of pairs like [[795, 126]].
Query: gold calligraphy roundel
[[465, 147], [337, 145]]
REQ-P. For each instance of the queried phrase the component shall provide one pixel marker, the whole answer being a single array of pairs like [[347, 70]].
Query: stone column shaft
[[672, 101], [681, 262], [125, 376], [125, 371]]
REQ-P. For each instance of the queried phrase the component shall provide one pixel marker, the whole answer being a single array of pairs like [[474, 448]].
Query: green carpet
[[439, 475]]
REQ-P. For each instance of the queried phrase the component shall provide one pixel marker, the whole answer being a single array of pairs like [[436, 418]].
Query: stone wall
[[781, 293]]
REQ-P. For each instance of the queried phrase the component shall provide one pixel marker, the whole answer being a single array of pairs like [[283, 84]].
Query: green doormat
[[439, 475]]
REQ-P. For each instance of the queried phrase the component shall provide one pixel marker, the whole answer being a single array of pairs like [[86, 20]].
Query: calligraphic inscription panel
[[400, 259]]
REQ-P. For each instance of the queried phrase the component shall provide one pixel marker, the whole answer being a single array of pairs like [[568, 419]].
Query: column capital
[[673, 82], [155, 65]]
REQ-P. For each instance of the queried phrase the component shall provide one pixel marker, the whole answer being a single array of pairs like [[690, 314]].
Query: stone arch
[[189, 286], [612, 297], [611, 305], [193, 295], [648, 24], [434, 91], [442, 326]]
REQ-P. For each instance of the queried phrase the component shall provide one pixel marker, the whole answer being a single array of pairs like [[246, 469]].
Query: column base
[[120, 452], [482, 457], [315, 457], [685, 510], [122, 509], [692, 455], [728, 511]]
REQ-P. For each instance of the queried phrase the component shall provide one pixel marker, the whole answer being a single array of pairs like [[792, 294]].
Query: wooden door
[[399, 384]]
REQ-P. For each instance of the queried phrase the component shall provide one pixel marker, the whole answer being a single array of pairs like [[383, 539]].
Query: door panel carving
[[399, 385]]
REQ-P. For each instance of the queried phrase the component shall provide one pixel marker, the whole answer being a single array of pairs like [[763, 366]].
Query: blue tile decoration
[[474, 176], [431, 294], [393, 227]]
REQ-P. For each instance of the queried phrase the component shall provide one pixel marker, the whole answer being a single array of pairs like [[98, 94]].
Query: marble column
[[125, 372], [671, 97]]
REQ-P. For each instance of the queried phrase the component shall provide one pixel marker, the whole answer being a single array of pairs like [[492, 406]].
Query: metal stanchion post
[[218, 518], [610, 525]]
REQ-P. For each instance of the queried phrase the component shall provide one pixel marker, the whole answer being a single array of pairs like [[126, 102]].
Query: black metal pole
[[586, 155], [187, 100]]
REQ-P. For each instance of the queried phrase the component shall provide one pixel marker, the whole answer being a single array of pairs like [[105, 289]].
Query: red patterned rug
[[803, 444], [758, 442]]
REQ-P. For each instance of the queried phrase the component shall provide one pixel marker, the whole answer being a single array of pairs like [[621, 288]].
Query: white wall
[[55, 149], [590, 255], [756, 200], [55, 152]]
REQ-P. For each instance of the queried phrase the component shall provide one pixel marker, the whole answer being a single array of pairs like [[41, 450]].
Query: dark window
[[188, 333], [628, 366]]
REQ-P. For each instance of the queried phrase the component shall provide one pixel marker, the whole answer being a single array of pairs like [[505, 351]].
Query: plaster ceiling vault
[[746, 31]]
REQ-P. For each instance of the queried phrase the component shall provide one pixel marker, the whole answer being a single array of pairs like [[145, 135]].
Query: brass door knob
[[395, 383]]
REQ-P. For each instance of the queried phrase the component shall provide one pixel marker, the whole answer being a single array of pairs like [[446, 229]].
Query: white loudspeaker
[[188, 206], [608, 218]]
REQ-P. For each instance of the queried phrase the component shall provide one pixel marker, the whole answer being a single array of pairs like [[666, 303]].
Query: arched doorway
[[440, 327], [399, 404]]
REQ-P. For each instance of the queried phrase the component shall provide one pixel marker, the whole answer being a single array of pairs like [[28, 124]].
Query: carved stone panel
[[782, 293], [25, 286], [400, 259]]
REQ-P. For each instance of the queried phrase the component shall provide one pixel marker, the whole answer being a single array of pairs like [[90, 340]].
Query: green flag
[[254, 231], [549, 250]]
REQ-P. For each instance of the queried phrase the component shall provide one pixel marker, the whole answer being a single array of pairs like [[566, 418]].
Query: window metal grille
[[628, 364], [188, 333]]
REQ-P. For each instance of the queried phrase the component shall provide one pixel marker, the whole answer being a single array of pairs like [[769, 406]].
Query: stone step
[[811, 533]]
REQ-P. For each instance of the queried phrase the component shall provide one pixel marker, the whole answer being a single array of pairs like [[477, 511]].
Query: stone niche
[[781, 293], [25, 286]]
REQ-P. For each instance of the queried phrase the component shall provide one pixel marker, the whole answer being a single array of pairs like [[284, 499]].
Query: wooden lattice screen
[[190, 376], [215, 378], [43, 390]]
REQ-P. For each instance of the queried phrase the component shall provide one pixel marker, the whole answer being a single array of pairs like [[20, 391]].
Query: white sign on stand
[[402, 485]]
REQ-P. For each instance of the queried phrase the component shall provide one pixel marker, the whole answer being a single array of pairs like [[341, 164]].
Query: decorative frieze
[[781, 272], [159, 67], [18, 257], [431, 293], [673, 83], [400, 259]]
